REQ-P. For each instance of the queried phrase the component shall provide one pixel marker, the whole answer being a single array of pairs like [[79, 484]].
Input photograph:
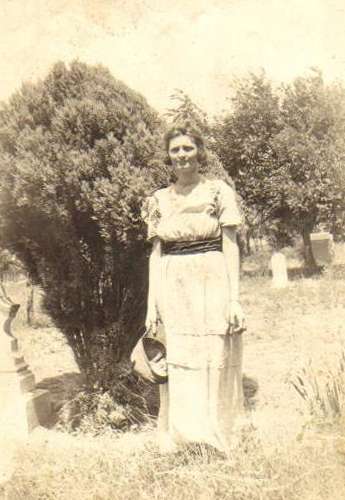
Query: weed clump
[[323, 392], [125, 405]]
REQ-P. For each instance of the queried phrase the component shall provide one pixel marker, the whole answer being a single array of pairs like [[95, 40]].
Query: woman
[[193, 291]]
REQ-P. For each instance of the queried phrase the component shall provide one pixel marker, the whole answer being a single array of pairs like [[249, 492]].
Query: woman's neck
[[188, 179]]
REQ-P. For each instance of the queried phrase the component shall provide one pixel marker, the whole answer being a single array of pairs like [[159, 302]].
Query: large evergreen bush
[[75, 152]]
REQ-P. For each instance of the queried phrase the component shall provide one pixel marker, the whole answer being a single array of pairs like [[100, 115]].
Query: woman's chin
[[186, 169]]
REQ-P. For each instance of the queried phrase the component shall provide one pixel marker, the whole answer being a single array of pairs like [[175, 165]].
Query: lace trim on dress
[[151, 215], [215, 189]]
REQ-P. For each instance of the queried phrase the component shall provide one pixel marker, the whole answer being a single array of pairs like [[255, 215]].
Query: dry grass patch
[[62, 467]]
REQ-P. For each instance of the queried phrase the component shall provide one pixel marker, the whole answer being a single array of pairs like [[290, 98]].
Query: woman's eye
[[174, 150], [187, 148]]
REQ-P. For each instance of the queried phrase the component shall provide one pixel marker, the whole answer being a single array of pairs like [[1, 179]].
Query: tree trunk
[[30, 311], [248, 248], [309, 259]]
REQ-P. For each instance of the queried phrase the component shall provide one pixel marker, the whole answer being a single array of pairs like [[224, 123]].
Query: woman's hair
[[194, 134]]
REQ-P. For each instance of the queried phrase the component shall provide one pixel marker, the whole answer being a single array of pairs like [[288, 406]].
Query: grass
[[62, 467], [282, 452]]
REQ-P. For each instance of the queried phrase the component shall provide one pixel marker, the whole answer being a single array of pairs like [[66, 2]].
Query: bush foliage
[[75, 154]]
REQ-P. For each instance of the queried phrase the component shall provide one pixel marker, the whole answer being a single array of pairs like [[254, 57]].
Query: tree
[[75, 154], [305, 149], [242, 142], [281, 148]]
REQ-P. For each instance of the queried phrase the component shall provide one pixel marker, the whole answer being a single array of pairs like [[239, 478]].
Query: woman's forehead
[[181, 140]]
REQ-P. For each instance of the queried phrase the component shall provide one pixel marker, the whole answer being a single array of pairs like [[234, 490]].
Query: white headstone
[[279, 270]]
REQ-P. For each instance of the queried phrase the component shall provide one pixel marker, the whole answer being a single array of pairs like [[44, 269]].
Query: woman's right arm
[[152, 315]]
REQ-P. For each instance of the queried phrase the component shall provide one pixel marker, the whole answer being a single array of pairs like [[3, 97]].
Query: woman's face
[[183, 153]]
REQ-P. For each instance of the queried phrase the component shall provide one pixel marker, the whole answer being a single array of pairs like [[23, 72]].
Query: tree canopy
[[281, 146]]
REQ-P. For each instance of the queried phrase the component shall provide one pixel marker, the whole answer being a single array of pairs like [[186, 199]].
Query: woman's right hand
[[151, 323], [237, 321]]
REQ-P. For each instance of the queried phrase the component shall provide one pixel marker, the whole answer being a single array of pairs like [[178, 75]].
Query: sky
[[157, 46]]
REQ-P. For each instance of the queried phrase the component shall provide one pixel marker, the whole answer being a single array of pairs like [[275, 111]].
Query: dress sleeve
[[228, 212], [151, 215]]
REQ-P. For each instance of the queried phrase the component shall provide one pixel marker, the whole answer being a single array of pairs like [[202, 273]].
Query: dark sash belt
[[190, 247]]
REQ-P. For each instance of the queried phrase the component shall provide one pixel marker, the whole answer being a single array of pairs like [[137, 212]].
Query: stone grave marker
[[279, 270], [322, 246], [22, 405]]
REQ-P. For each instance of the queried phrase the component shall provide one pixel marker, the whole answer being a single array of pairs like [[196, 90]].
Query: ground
[[282, 453]]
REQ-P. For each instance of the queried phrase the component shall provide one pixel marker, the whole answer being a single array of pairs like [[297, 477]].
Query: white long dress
[[204, 392]]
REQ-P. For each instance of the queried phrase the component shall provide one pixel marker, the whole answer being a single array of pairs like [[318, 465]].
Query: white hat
[[149, 360]]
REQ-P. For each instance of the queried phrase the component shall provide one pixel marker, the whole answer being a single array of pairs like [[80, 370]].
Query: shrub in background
[[75, 154], [283, 148]]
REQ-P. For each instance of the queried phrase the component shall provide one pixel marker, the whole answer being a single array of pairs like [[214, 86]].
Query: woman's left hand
[[237, 322]]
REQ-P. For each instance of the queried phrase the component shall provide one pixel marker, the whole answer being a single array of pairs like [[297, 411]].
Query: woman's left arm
[[232, 258]]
